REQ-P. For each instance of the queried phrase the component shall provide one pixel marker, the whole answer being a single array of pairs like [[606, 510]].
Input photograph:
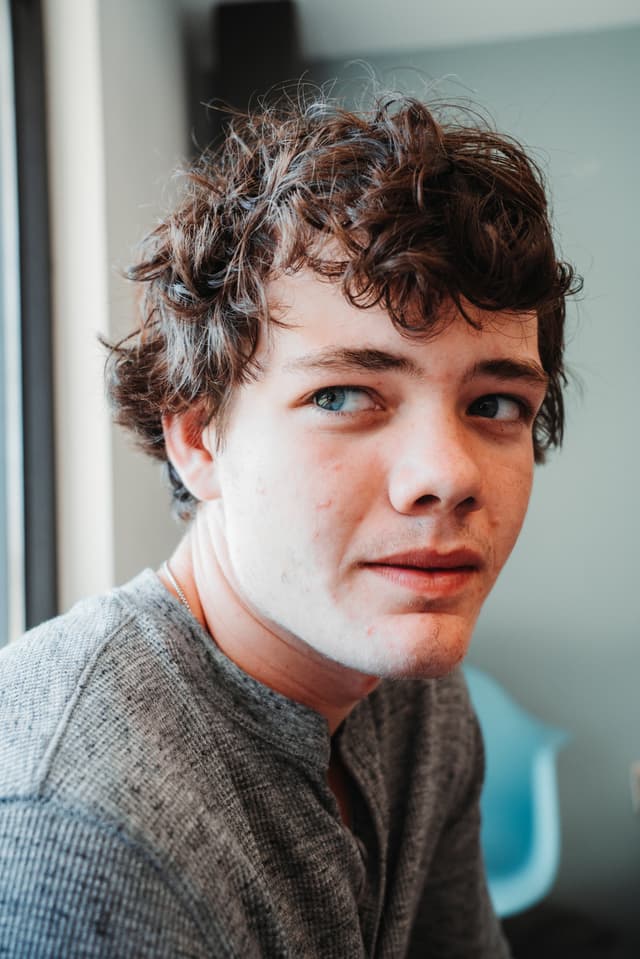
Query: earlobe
[[191, 451]]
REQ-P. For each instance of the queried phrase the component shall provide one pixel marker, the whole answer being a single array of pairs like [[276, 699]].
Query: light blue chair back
[[520, 817]]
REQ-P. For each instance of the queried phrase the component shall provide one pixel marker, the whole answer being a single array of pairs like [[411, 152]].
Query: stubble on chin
[[429, 650]]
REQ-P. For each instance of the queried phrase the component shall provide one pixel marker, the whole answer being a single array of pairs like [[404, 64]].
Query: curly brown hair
[[421, 206]]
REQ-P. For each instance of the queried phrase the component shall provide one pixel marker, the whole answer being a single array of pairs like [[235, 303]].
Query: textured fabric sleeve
[[456, 919], [71, 886]]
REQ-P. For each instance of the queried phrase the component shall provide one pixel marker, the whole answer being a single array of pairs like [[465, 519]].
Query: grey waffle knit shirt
[[155, 801]]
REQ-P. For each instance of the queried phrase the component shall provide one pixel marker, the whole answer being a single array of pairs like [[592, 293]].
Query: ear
[[191, 450]]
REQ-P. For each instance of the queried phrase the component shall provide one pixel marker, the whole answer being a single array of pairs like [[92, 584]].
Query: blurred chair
[[520, 818]]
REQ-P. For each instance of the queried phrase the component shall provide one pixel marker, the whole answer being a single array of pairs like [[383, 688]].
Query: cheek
[[296, 494], [511, 499], [332, 510], [338, 492], [326, 486]]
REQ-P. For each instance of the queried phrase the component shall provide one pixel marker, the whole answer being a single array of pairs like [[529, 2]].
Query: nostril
[[469, 503], [428, 500]]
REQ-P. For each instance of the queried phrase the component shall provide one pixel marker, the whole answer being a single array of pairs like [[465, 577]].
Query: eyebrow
[[509, 369], [342, 360]]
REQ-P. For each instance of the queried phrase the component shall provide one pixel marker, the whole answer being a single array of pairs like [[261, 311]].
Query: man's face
[[372, 486]]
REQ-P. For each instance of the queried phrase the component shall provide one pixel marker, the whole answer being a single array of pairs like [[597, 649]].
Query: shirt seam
[[45, 765]]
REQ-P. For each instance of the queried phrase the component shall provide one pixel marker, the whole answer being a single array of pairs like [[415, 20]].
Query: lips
[[432, 573], [432, 560]]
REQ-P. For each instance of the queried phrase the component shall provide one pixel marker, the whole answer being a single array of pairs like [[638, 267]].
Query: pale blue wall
[[562, 628]]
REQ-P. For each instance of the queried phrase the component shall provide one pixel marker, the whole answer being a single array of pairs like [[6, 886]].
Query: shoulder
[[72, 884], [63, 666], [101, 779]]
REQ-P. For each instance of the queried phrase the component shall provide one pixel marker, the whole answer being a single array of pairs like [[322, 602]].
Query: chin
[[425, 651], [431, 669]]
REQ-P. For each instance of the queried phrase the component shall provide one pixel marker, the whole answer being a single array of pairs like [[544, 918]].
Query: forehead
[[317, 324]]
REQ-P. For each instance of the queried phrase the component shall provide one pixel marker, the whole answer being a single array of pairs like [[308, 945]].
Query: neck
[[283, 662]]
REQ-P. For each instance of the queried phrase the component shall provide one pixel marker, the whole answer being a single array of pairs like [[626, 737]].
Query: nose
[[436, 468]]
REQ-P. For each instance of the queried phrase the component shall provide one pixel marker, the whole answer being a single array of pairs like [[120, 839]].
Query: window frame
[[36, 339]]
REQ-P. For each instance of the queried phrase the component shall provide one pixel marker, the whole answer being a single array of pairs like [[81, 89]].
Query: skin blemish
[[325, 504]]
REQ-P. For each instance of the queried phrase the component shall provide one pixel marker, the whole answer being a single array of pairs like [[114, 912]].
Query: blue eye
[[499, 407], [343, 399]]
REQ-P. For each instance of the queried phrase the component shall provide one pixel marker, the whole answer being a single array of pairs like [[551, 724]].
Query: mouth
[[432, 573]]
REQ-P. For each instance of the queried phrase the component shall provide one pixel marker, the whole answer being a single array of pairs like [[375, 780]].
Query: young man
[[350, 356]]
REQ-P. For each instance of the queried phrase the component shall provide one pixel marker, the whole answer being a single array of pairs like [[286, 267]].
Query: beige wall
[[117, 128], [80, 295]]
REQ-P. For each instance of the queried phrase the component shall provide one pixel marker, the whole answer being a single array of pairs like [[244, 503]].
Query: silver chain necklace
[[176, 585]]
